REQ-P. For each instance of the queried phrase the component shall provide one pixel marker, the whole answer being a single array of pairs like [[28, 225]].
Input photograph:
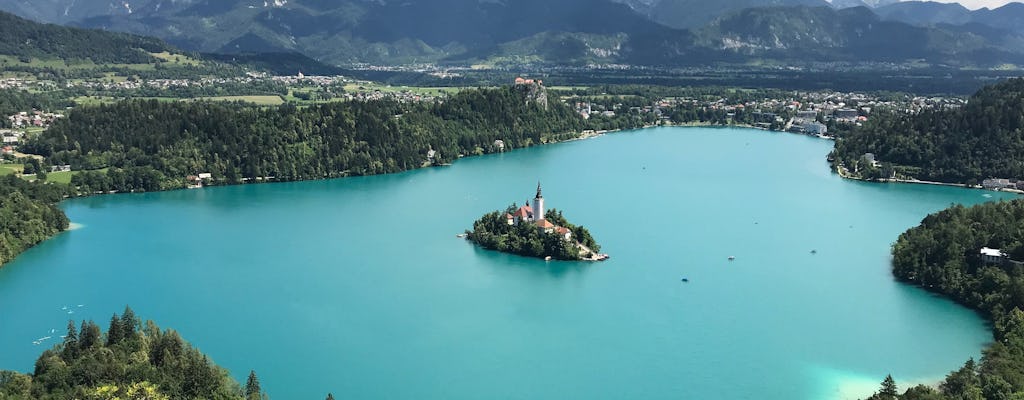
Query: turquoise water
[[359, 286]]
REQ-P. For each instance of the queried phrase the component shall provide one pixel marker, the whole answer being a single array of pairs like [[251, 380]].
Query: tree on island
[[493, 232]]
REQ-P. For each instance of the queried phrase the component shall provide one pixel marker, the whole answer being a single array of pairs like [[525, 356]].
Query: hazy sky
[[976, 4]]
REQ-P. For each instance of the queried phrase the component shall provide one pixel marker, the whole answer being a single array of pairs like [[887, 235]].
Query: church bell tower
[[538, 205]]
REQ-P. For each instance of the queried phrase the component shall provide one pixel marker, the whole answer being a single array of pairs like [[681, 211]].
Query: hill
[[822, 34], [1009, 17], [132, 360], [27, 39], [942, 255], [694, 14], [531, 32], [984, 139]]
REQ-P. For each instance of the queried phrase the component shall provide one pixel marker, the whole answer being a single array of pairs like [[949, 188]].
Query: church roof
[[524, 211]]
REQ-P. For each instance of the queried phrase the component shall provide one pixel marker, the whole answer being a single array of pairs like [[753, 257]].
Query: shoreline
[[844, 173], [599, 133]]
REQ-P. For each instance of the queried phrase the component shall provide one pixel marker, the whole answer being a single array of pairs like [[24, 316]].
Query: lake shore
[[845, 174], [444, 280]]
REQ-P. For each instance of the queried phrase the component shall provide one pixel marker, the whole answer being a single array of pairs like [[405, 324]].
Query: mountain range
[[516, 32]]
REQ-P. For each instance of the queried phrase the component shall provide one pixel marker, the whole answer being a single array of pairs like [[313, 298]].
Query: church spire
[[538, 191]]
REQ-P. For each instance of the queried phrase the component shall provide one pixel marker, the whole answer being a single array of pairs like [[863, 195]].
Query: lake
[[360, 287]]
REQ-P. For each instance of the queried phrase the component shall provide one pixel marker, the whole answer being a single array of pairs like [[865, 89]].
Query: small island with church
[[532, 231]]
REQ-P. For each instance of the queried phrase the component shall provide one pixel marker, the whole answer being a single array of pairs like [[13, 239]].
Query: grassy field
[[177, 59], [172, 60], [7, 169], [60, 177]]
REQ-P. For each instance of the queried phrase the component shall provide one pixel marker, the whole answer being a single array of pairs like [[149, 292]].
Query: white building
[[535, 214], [992, 256], [538, 205]]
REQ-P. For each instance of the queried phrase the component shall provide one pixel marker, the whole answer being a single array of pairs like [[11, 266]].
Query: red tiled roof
[[524, 211], [561, 230], [545, 224]]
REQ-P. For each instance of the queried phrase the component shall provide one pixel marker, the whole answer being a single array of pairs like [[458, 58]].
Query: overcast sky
[[976, 4]]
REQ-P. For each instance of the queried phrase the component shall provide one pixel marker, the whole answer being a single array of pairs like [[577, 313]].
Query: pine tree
[[252, 387], [72, 335], [70, 342], [90, 335], [128, 322], [888, 390], [114, 332]]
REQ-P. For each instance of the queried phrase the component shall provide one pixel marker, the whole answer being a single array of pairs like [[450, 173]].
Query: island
[[533, 232]]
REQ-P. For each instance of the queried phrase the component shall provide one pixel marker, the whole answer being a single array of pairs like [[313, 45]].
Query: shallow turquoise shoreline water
[[359, 287]]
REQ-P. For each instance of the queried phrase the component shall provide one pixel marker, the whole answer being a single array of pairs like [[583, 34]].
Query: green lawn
[[59, 177], [177, 59], [7, 169]]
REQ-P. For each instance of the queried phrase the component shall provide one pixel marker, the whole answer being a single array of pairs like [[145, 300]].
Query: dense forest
[[132, 360], [984, 139], [493, 232], [26, 39], [942, 255], [151, 145], [28, 215]]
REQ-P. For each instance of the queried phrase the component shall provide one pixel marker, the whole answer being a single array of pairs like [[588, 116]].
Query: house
[[807, 115], [997, 183], [992, 256], [499, 144], [815, 128], [564, 232], [523, 214], [10, 139], [7, 150], [846, 114], [545, 226], [194, 182], [60, 168], [511, 220], [205, 175], [523, 81]]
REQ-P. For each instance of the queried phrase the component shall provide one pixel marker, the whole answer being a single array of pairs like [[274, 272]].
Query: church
[[535, 215]]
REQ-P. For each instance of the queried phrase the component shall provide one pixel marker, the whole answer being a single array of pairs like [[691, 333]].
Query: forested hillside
[[942, 255], [27, 39], [27, 215], [984, 139], [132, 360], [151, 145]]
